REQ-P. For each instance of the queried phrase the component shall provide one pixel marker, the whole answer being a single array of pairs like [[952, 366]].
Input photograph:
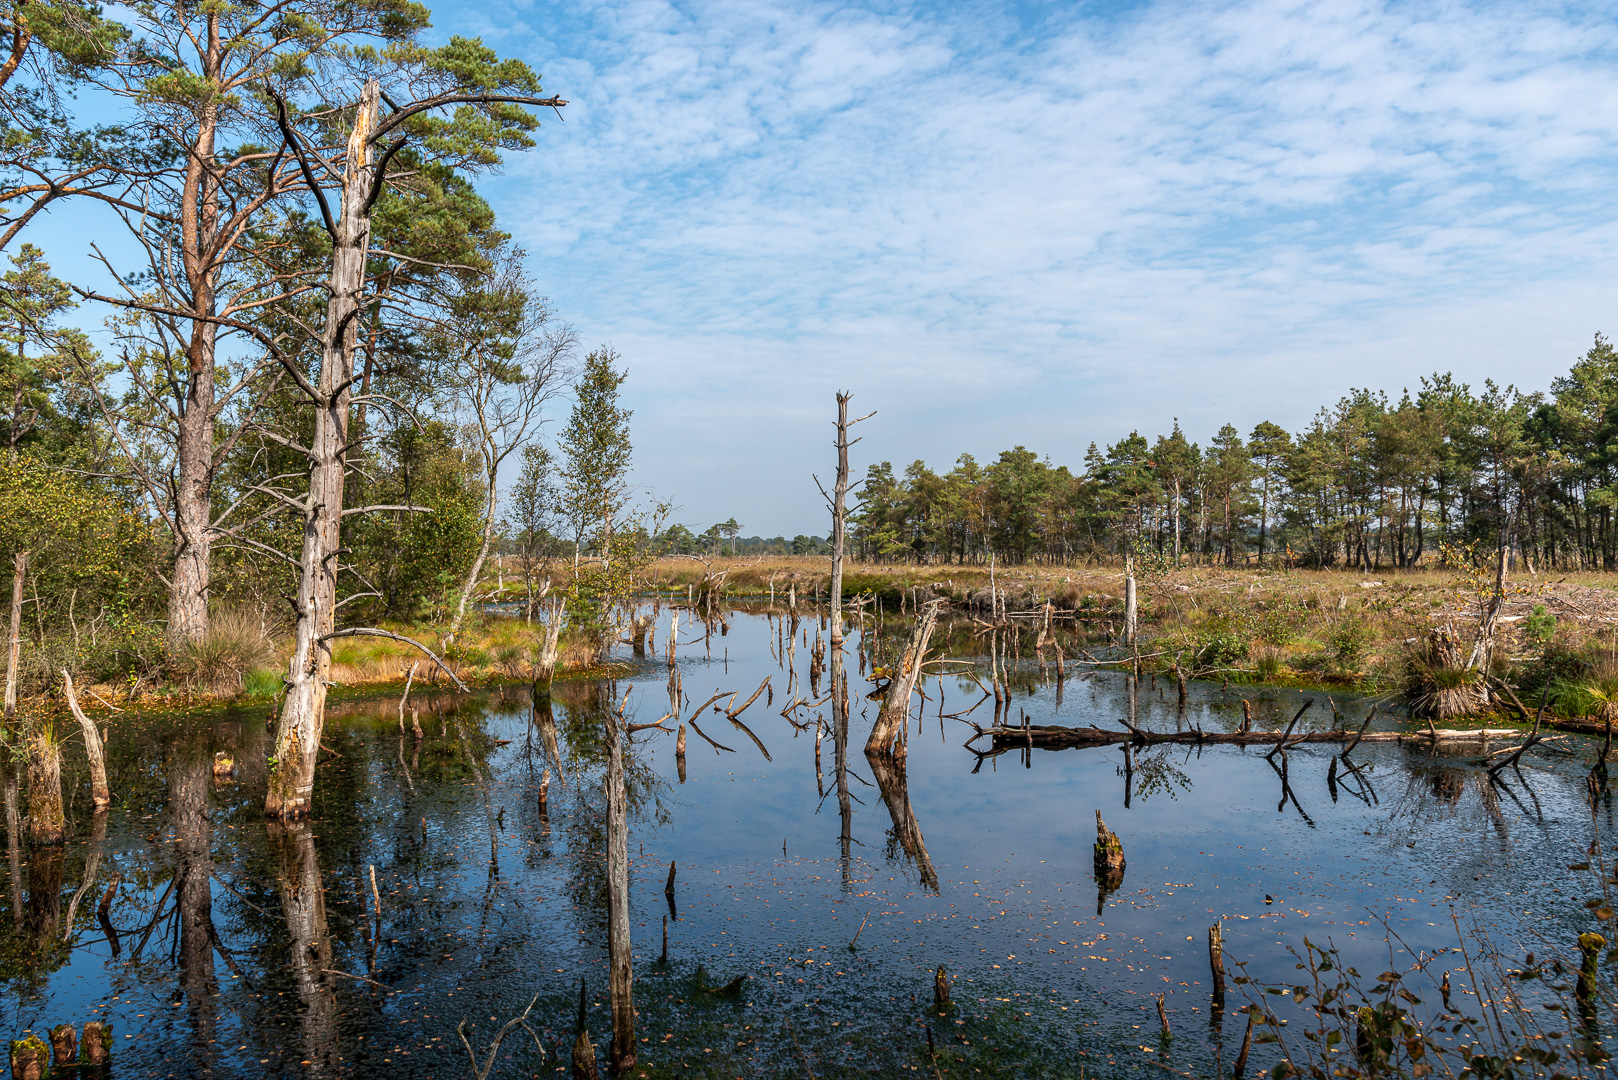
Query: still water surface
[[232, 947]]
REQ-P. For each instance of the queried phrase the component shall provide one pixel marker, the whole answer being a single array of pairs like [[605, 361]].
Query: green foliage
[[1222, 643], [1349, 638], [1540, 626], [596, 452], [417, 559]]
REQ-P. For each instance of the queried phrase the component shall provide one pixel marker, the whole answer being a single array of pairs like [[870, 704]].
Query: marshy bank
[[232, 946]]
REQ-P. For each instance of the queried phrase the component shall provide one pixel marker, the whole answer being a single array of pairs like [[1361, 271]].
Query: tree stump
[[64, 1045], [1109, 851], [95, 1048], [941, 987], [30, 1058], [1590, 946], [584, 1057]]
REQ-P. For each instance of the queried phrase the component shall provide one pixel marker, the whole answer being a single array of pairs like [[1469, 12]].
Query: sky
[[1050, 224]]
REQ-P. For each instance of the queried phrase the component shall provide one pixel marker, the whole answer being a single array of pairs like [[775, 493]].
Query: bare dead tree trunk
[[545, 667], [100, 794], [19, 572], [1483, 646], [303, 710], [891, 720], [839, 519], [1130, 625], [621, 971]]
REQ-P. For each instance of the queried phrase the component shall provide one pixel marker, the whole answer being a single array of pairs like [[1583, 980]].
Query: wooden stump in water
[[545, 797], [64, 1046], [224, 766], [30, 1058], [1109, 862], [1590, 946], [584, 1051], [95, 1048], [941, 988], [1216, 960], [1109, 853]]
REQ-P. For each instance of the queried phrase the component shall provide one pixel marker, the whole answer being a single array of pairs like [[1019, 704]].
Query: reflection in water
[[190, 777], [309, 960], [453, 941], [42, 917], [889, 774]]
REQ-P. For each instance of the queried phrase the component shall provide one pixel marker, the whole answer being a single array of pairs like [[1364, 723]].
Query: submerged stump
[[30, 1058], [64, 1045], [95, 1048]]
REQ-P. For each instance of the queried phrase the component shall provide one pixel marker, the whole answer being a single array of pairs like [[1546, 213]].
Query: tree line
[[1371, 482]]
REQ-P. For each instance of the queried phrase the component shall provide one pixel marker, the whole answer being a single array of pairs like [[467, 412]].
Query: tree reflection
[[303, 904], [190, 780], [890, 778]]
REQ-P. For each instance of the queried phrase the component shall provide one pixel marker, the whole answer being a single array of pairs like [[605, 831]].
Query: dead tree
[[100, 794], [358, 174], [890, 721]]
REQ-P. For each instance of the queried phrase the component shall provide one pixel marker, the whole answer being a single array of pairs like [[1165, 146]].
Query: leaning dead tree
[[356, 173], [891, 720]]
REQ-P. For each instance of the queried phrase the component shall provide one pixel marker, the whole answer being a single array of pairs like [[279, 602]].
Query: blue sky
[[1046, 224]]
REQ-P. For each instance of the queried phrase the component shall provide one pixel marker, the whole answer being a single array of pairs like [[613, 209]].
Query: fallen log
[[1047, 737]]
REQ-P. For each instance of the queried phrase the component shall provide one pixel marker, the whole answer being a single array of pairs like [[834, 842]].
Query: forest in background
[[1370, 483]]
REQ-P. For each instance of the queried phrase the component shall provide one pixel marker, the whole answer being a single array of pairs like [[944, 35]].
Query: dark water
[[244, 949]]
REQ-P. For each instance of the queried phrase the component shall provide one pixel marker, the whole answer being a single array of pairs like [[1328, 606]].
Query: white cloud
[[1049, 234]]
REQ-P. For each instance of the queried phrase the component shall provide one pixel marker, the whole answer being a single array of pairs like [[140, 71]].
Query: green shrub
[[1540, 626], [1222, 643], [1349, 639], [1277, 627]]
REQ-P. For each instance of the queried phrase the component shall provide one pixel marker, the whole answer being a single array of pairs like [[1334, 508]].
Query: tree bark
[[621, 1057], [476, 571], [545, 669], [19, 572], [1130, 614], [303, 712], [100, 794], [194, 450]]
